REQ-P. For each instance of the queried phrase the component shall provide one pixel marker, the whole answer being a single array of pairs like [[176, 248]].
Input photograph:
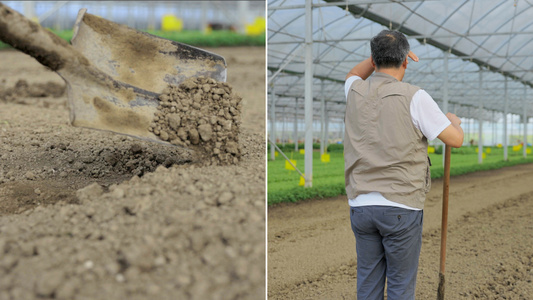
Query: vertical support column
[[308, 94], [342, 131], [203, 17], [29, 10], [109, 10], [283, 126], [469, 126], [295, 136], [327, 127], [131, 18], [243, 11], [151, 16], [322, 117], [272, 121], [505, 150], [480, 120], [493, 129], [445, 97], [524, 119]]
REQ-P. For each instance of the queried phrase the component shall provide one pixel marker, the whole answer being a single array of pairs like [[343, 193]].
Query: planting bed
[[311, 248], [88, 214]]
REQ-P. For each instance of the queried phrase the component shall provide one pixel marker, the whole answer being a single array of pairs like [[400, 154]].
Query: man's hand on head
[[412, 56]]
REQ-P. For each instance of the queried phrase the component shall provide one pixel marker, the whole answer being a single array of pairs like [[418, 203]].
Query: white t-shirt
[[426, 116]]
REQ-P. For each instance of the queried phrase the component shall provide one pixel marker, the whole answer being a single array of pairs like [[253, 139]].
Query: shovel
[[114, 74], [444, 227]]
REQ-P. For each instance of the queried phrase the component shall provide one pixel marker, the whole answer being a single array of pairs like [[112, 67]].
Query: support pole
[[480, 120], [296, 126], [342, 131], [203, 18], [322, 117], [29, 10], [327, 127], [493, 129], [505, 122], [283, 126], [445, 97], [524, 119], [243, 11], [469, 126], [308, 94], [272, 121]]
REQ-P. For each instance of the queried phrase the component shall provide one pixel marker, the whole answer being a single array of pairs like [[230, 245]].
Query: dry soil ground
[[88, 214], [311, 248]]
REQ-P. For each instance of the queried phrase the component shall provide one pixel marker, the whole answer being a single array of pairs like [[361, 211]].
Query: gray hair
[[389, 49]]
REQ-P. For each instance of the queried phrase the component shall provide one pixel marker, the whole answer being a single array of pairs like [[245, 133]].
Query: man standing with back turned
[[388, 123]]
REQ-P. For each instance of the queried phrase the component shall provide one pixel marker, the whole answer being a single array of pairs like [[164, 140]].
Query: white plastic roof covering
[[494, 37]]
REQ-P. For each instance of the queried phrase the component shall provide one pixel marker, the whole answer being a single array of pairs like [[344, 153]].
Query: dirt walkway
[[88, 214], [311, 249]]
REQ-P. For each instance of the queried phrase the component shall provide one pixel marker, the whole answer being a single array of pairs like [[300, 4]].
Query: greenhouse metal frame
[[475, 56]]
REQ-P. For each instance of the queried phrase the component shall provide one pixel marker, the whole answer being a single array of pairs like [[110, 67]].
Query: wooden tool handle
[[445, 193], [30, 38]]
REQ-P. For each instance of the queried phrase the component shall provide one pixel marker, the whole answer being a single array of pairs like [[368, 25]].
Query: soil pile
[[201, 114]]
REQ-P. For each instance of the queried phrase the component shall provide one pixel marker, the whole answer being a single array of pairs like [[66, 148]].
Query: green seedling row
[[328, 178], [224, 38]]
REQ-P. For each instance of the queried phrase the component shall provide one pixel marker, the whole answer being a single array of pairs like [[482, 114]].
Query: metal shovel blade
[[142, 64], [141, 59]]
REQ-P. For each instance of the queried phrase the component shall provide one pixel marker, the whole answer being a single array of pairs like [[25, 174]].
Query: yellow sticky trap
[[288, 165], [431, 149], [528, 150], [302, 181], [302, 151], [499, 145], [477, 150], [325, 158], [260, 22], [171, 23], [517, 148], [488, 150], [276, 153], [257, 28], [483, 155]]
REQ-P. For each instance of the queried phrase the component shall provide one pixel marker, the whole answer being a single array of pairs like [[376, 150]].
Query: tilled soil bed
[[87, 214], [311, 247]]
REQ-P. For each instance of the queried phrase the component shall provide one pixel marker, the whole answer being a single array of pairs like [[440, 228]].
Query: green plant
[[190, 37], [328, 178]]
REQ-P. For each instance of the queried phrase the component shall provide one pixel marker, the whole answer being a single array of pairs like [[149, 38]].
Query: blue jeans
[[388, 241]]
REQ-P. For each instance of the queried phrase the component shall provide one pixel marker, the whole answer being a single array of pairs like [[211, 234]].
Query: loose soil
[[87, 214], [311, 248], [201, 114]]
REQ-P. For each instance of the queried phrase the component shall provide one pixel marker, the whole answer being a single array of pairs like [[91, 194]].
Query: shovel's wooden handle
[[444, 227], [30, 38], [445, 193]]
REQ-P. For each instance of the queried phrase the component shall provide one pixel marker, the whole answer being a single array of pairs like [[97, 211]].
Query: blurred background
[[201, 23]]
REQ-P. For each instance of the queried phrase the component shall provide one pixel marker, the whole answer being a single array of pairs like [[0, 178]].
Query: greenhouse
[[325, 236], [475, 61]]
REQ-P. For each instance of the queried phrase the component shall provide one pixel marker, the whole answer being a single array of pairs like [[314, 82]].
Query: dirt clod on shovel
[[201, 114]]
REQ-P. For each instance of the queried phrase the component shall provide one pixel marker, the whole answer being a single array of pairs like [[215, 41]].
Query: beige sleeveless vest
[[383, 151]]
